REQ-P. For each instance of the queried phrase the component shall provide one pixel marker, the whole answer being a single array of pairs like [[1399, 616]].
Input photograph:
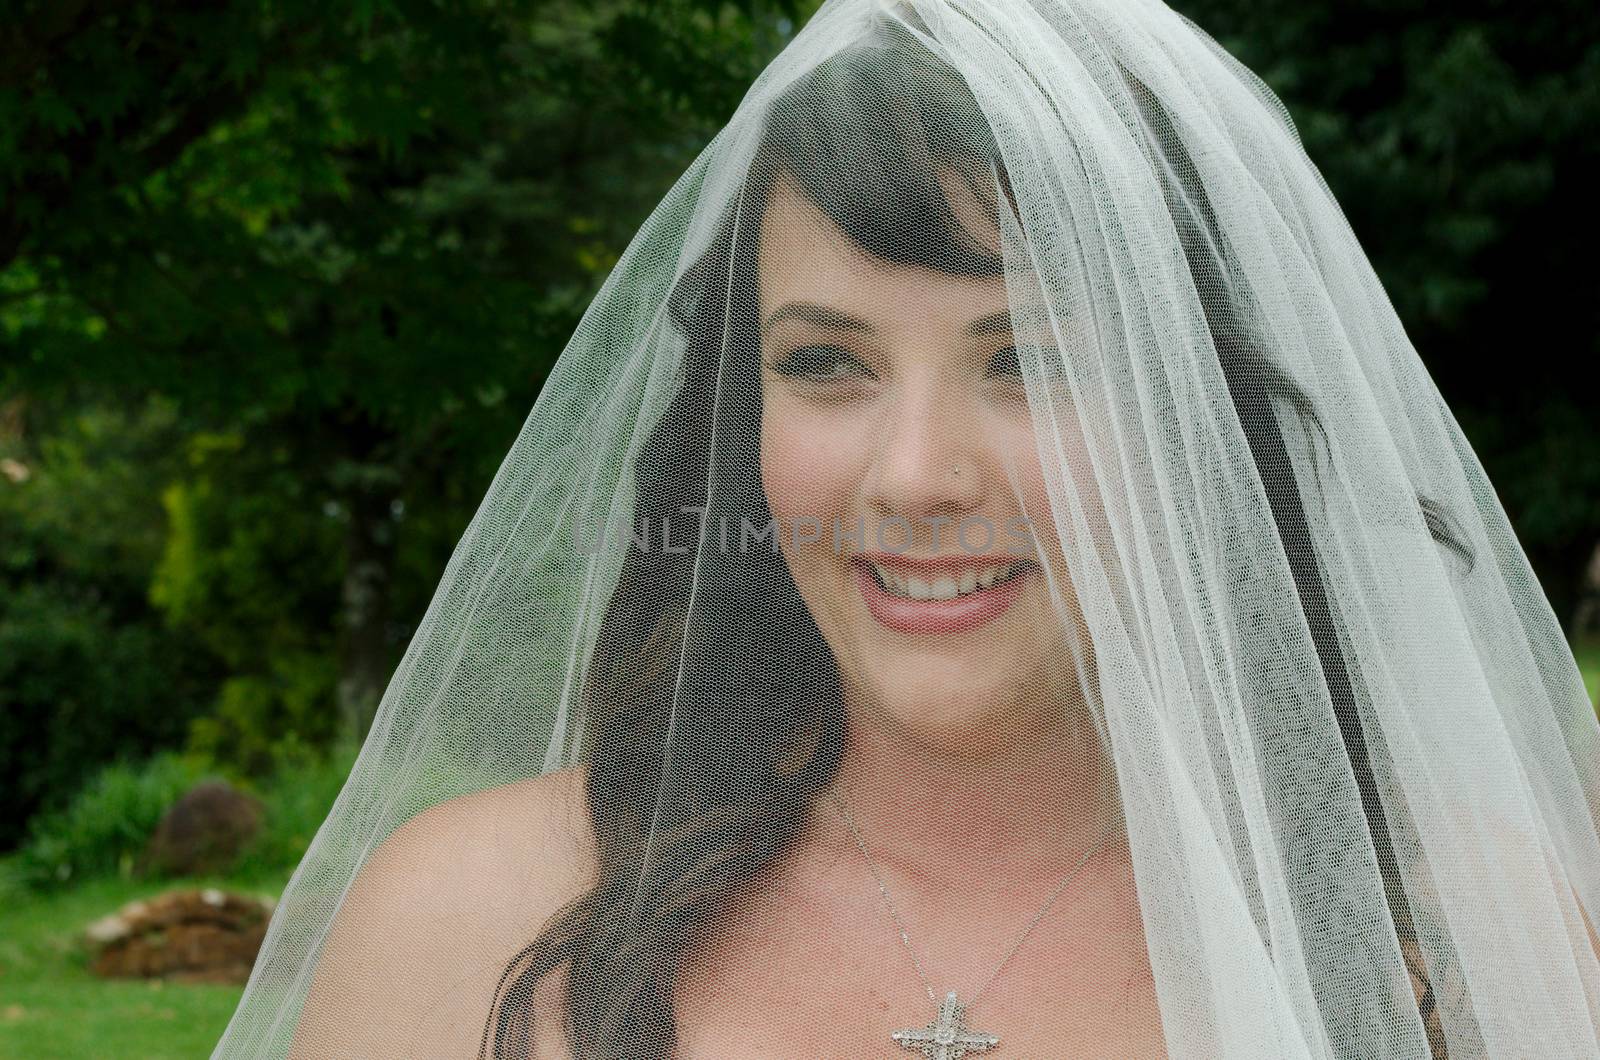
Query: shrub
[[89, 674], [81, 689], [297, 795], [104, 828]]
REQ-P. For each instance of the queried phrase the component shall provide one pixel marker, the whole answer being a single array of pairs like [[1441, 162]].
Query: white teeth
[[943, 587]]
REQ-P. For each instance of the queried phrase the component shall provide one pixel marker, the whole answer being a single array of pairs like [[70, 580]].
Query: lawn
[[51, 1007]]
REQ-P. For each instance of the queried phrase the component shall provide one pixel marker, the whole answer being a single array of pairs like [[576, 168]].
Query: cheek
[[1064, 470], [808, 462], [1018, 470]]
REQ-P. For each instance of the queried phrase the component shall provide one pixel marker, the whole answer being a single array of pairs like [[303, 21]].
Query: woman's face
[[893, 403]]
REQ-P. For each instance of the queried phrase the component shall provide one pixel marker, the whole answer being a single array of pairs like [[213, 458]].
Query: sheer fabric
[[997, 429]]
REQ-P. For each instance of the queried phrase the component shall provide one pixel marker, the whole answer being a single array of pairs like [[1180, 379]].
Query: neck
[[1029, 803]]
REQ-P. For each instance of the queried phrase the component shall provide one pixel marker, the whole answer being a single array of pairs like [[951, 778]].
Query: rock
[[205, 936], [204, 831]]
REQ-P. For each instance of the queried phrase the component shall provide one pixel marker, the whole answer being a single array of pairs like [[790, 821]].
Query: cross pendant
[[947, 1037]]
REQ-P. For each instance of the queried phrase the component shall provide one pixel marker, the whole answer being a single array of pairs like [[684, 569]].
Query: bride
[[988, 575]]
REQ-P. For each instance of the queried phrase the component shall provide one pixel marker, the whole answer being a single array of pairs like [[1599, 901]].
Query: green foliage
[[257, 718], [86, 675], [252, 576], [278, 283], [1587, 653], [103, 830], [75, 691], [82, 510], [297, 795]]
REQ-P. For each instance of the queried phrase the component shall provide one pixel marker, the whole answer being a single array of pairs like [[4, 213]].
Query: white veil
[[1269, 635]]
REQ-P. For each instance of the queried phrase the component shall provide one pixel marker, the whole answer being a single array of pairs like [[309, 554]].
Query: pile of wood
[[207, 936]]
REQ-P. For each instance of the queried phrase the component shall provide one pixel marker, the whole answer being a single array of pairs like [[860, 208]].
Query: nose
[[928, 460]]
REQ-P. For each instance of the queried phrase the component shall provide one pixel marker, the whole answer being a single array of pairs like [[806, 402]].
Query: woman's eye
[[1004, 363], [820, 364]]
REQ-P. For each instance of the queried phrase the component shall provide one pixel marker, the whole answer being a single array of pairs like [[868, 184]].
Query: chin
[[951, 688], [942, 700]]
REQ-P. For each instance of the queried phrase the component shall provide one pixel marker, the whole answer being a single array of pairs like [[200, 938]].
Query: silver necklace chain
[[900, 925]]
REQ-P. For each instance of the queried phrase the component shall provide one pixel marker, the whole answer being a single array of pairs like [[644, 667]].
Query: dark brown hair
[[714, 727]]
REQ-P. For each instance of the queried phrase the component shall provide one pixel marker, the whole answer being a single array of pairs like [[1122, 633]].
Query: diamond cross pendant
[[947, 1037]]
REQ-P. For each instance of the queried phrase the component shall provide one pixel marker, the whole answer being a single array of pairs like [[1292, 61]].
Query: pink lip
[[937, 616]]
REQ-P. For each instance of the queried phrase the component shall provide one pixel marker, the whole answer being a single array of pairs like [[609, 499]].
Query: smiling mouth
[[945, 586]]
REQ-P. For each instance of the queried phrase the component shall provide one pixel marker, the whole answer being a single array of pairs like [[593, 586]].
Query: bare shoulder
[[436, 912], [494, 838]]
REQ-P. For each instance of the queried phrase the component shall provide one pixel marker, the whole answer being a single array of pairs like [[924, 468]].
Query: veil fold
[[1354, 771]]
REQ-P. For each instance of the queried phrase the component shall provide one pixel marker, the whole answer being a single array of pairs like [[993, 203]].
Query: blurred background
[[280, 280]]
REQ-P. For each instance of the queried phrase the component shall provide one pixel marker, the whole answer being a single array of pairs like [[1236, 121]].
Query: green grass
[[52, 1007], [76, 868]]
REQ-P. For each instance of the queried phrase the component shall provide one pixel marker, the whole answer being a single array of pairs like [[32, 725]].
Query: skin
[[911, 406], [884, 379], [972, 742]]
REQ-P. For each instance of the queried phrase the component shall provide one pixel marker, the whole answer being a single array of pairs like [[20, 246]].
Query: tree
[[345, 243]]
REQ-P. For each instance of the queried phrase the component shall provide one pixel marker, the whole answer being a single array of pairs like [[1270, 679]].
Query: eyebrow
[[821, 316], [1032, 314], [993, 324]]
